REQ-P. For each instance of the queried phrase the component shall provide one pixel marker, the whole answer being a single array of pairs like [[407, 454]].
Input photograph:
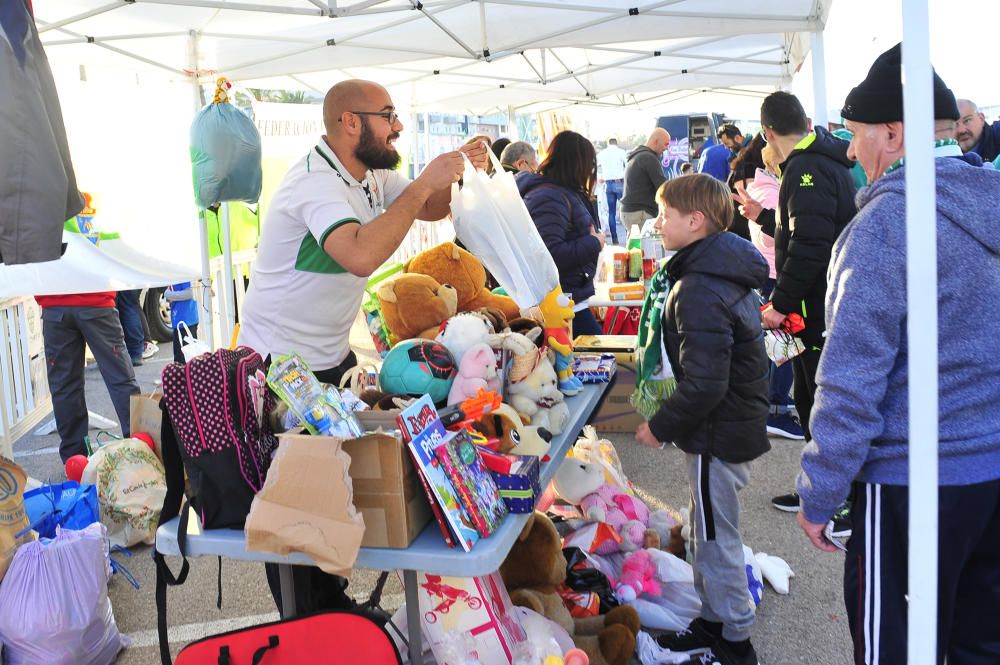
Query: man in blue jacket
[[974, 135], [860, 419]]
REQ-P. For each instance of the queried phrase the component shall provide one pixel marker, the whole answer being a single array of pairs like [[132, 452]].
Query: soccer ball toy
[[417, 367]]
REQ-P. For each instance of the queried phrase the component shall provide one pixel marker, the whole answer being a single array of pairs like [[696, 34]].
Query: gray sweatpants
[[66, 330], [719, 567]]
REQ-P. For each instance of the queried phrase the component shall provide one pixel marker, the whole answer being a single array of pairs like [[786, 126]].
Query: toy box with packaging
[[616, 413]]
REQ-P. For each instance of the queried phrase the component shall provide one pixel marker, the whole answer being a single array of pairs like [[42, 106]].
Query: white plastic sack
[[782, 347], [492, 221], [590, 448], [54, 605], [131, 486]]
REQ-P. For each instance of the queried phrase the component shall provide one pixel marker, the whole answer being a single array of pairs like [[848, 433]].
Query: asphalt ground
[[806, 626]]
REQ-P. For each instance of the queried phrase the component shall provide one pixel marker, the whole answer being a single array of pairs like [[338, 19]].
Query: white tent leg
[[820, 118], [229, 297], [922, 333], [205, 316]]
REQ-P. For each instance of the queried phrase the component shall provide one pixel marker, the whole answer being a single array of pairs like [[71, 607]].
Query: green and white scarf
[[654, 379]]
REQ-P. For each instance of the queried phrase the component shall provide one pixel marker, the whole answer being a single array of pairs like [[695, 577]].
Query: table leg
[[287, 584], [413, 617]]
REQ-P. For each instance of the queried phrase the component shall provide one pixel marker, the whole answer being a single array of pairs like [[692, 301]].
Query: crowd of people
[[772, 230]]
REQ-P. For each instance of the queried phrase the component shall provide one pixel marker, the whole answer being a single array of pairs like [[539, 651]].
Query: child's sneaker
[[724, 652], [785, 425], [699, 636], [149, 349], [842, 521], [788, 503]]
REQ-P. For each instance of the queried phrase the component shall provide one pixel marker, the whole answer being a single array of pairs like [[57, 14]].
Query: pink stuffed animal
[[477, 368], [638, 576], [627, 515]]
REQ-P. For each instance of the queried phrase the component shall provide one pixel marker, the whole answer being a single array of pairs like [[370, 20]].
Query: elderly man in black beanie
[[860, 420]]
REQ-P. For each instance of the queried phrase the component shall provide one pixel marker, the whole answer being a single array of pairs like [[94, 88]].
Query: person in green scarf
[[702, 321]]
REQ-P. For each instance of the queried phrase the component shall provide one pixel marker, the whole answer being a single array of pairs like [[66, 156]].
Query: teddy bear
[[638, 576], [533, 570], [583, 484], [537, 397], [477, 371], [450, 264], [513, 436], [465, 330], [415, 305]]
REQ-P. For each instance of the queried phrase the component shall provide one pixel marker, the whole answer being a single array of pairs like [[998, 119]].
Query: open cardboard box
[[387, 490]]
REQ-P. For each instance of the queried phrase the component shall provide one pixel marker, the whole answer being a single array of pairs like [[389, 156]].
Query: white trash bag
[[492, 221], [54, 605]]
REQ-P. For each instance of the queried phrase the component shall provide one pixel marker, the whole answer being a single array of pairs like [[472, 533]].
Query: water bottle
[[634, 247]]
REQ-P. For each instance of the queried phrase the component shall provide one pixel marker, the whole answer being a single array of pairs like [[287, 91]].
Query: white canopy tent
[[473, 56], [502, 54]]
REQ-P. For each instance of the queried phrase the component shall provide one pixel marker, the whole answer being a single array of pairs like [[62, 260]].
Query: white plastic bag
[[54, 605], [781, 347], [492, 221], [589, 448], [191, 346], [131, 486]]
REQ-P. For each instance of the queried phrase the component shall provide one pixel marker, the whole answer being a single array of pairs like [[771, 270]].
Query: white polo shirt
[[300, 299]]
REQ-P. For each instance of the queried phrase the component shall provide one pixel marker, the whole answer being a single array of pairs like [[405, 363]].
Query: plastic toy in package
[[321, 409], [594, 367]]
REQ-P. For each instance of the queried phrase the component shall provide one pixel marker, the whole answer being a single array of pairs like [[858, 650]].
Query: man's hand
[[749, 207], [645, 436], [771, 318], [594, 231], [442, 171], [476, 152], [815, 534]]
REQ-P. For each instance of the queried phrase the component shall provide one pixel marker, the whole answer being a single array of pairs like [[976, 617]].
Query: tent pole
[[206, 315], [512, 129], [820, 118], [922, 334], [229, 295]]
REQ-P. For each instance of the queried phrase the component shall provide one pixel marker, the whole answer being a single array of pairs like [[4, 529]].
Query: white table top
[[428, 552]]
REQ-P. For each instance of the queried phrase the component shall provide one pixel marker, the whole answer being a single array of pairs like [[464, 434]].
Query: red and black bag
[[329, 638]]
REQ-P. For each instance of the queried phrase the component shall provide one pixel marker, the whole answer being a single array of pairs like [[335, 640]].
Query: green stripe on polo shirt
[[312, 257]]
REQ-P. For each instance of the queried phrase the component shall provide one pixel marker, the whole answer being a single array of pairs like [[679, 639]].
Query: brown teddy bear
[[450, 264], [534, 569], [415, 305]]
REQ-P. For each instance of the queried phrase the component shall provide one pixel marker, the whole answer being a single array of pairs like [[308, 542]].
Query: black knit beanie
[[879, 98]]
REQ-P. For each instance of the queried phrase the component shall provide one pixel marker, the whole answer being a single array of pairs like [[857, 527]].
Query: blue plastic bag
[[225, 153], [69, 505]]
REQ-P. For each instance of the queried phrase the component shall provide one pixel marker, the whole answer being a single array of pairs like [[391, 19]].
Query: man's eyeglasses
[[390, 116]]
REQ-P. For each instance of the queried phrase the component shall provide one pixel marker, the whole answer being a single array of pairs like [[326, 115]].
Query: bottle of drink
[[634, 247]]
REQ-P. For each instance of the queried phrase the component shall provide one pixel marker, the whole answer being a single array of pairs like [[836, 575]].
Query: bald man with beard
[[643, 176], [340, 213]]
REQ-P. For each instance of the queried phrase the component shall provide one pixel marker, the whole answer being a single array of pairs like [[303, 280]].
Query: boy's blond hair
[[701, 192]]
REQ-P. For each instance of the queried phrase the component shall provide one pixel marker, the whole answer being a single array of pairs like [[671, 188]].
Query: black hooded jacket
[[713, 339], [815, 203]]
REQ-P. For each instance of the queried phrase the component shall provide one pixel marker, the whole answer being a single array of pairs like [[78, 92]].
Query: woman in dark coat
[[560, 198]]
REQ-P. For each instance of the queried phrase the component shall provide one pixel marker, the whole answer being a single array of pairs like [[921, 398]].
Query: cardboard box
[[617, 413], [622, 346], [387, 490]]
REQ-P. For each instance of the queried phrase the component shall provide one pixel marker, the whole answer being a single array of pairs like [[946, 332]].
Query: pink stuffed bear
[[638, 576], [627, 515], [477, 370]]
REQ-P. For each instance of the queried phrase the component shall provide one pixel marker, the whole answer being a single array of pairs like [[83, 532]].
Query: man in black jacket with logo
[[815, 203]]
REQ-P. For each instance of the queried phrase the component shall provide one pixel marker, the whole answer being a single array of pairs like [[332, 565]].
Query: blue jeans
[[779, 378], [613, 190], [127, 303]]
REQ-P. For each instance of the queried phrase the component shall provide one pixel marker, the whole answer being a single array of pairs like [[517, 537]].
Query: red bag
[[329, 638], [622, 321]]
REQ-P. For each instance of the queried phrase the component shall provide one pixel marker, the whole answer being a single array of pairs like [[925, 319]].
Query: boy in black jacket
[[717, 413]]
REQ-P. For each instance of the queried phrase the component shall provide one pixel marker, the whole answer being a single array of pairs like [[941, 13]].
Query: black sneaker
[[788, 503], [725, 653], [842, 521], [699, 636]]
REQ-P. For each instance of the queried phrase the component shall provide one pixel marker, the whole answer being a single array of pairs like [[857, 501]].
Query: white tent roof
[[449, 54]]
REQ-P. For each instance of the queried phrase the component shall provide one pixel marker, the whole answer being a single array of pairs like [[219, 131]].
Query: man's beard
[[373, 154]]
